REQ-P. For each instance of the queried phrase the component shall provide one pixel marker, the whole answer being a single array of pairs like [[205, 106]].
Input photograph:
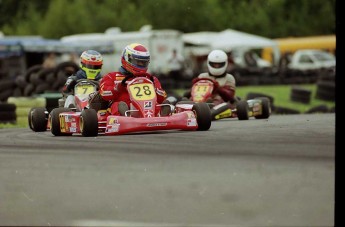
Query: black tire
[[203, 116], [319, 109], [32, 69], [285, 110], [68, 68], [41, 88], [8, 116], [37, 119], [55, 121], [299, 94], [325, 90], [89, 123], [5, 94], [266, 108], [28, 90], [242, 110], [253, 95], [20, 81], [7, 84], [7, 107]]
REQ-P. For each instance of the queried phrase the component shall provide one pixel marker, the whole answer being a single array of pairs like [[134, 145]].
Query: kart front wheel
[[203, 115], [54, 118], [88, 122], [265, 108], [242, 110]]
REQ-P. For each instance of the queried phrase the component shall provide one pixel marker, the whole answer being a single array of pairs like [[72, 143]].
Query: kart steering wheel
[[123, 82], [198, 79]]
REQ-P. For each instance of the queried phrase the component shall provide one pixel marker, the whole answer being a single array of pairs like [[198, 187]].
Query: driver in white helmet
[[224, 83]]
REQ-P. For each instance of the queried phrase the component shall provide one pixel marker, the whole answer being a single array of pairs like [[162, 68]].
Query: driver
[[91, 63], [224, 83], [135, 61]]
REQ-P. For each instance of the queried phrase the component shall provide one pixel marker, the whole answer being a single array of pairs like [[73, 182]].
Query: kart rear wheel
[[54, 118], [203, 116], [37, 119], [89, 122], [266, 108], [242, 109]]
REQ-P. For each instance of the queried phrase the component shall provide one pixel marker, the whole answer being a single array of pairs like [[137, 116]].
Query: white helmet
[[217, 62]]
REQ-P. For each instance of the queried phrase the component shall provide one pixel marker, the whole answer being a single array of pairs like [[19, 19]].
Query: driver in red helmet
[[135, 61]]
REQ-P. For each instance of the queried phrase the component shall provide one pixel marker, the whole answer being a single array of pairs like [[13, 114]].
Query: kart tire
[[37, 119], [266, 108], [89, 123], [55, 121], [242, 109], [203, 116]]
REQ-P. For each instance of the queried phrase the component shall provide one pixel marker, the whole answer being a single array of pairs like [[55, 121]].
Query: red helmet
[[135, 58]]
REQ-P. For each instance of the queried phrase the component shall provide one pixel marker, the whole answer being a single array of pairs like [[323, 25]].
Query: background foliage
[[269, 18]]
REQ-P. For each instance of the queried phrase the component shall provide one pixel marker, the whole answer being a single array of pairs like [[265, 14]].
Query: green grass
[[280, 93]]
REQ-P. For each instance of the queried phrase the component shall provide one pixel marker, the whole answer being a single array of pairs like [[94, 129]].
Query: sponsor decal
[[191, 122], [190, 115], [113, 128], [112, 121], [72, 129], [157, 124], [106, 93], [73, 124], [148, 105], [148, 113]]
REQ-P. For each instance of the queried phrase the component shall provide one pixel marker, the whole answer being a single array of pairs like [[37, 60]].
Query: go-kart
[[201, 91], [38, 116], [144, 114]]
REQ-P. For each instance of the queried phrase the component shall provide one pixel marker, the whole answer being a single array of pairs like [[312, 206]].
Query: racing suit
[[71, 81], [111, 89]]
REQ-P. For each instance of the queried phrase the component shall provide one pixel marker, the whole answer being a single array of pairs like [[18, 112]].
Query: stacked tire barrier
[[24, 104], [38, 87], [299, 94], [325, 88], [38, 80], [8, 113]]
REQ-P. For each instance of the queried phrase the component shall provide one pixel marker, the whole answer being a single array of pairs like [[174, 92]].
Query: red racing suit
[[112, 90]]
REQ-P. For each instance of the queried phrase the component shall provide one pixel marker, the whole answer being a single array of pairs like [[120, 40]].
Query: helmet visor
[[91, 66], [217, 65], [141, 62]]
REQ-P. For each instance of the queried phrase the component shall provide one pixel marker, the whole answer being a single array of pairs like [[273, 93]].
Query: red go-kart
[[144, 114], [38, 116], [201, 91]]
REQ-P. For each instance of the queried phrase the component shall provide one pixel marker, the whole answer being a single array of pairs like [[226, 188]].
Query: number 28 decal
[[142, 91]]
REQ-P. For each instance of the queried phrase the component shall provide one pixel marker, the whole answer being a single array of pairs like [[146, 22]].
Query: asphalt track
[[274, 172]]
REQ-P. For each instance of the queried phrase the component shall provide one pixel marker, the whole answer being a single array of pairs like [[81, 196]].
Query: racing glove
[[69, 85], [215, 86]]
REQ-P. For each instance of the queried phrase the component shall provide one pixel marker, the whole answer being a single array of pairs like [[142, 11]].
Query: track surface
[[275, 172]]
